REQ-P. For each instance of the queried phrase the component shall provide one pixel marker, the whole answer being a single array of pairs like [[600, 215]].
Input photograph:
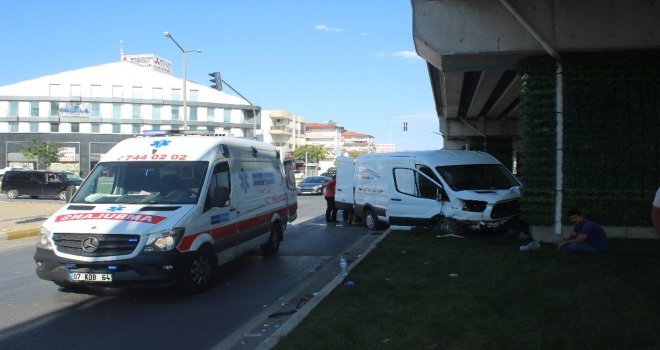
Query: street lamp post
[[185, 91]]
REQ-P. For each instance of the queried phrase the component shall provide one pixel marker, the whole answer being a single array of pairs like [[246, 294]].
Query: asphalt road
[[36, 314]]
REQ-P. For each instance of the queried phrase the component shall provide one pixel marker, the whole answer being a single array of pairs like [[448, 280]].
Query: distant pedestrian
[[331, 209], [587, 236], [655, 212]]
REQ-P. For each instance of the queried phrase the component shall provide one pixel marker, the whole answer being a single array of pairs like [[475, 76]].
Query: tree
[[44, 152], [314, 153]]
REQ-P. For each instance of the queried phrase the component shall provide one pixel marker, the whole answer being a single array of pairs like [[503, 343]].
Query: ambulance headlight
[[44, 241], [164, 240]]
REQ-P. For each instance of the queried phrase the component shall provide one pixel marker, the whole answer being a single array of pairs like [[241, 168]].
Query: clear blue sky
[[351, 61]]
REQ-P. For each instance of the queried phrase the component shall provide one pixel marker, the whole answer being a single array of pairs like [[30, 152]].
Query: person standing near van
[[329, 193], [655, 212], [587, 236]]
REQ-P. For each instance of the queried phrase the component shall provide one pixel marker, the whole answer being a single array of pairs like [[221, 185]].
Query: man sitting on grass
[[587, 236]]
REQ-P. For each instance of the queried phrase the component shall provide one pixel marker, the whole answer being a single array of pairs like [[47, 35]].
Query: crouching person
[[587, 236]]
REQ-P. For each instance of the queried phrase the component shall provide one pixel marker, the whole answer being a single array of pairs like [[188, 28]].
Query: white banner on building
[[149, 61]]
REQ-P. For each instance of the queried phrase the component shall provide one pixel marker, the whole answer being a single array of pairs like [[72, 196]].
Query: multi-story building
[[355, 143], [283, 129], [329, 136], [88, 110], [384, 147]]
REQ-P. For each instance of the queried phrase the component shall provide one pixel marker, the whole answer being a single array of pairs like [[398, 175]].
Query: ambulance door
[[219, 216]]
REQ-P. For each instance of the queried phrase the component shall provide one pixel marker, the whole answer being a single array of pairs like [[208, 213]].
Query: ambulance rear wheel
[[273, 244], [200, 271]]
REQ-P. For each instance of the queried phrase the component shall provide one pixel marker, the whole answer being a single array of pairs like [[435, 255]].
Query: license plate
[[90, 277]]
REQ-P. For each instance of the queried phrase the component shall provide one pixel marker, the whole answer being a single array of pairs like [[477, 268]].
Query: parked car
[[312, 185], [38, 183]]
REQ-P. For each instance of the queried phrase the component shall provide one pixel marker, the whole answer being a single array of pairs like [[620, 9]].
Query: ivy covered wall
[[611, 136]]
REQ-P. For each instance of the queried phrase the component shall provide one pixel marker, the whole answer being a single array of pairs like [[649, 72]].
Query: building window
[[136, 128], [210, 113], [34, 108], [116, 110], [13, 108], [34, 127], [13, 126], [155, 112], [96, 110], [155, 127], [117, 91], [95, 91], [175, 112], [157, 93], [54, 109], [194, 95], [136, 111], [176, 94], [96, 128], [75, 127], [227, 115], [137, 92], [193, 113], [116, 128], [54, 127], [75, 90]]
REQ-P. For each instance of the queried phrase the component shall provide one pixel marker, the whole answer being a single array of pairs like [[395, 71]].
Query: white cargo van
[[452, 190], [168, 210]]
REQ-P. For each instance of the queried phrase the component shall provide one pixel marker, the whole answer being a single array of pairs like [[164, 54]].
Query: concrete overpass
[[472, 48]]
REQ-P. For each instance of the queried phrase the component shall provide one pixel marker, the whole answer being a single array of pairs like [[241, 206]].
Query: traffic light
[[405, 126], [216, 80]]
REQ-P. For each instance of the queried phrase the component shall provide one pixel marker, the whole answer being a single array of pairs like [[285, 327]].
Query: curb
[[10, 234], [293, 322]]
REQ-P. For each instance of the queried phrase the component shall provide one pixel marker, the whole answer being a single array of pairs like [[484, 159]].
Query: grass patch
[[405, 298]]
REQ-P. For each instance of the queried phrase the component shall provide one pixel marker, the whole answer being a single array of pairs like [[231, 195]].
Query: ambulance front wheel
[[199, 271], [273, 244]]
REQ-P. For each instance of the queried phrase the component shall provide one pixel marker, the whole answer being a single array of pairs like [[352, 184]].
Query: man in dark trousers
[[587, 236], [331, 210]]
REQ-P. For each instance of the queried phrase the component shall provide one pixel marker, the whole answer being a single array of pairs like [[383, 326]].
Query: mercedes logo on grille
[[90, 244]]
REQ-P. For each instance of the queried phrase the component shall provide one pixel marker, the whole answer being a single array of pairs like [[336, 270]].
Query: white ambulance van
[[452, 190], [168, 210]]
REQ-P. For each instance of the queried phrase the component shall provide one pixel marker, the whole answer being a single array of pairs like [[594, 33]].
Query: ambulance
[[168, 210]]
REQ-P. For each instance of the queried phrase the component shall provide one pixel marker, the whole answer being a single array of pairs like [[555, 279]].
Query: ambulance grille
[[95, 245], [505, 209]]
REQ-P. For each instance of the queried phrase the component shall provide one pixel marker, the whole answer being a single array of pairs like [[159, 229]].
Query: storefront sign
[[67, 154], [75, 110]]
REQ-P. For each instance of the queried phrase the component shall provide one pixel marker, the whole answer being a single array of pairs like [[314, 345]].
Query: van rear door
[[345, 180]]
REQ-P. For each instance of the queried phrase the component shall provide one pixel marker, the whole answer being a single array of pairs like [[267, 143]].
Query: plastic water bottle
[[343, 266]]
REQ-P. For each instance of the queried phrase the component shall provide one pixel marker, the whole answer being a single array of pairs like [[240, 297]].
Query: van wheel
[[199, 271], [371, 221], [12, 194], [448, 226], [62, 195], [273, 244]]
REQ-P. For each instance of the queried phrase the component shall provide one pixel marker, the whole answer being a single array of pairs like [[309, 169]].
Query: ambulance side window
[[220, 186]]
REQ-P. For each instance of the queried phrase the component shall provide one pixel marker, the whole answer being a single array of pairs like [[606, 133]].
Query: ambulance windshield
[[168, 182], [477, 177]]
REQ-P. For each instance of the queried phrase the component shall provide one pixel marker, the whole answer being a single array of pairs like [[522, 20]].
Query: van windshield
[[477, 177], [143, 182]]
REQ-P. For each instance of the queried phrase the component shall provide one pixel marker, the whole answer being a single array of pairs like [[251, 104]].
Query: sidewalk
[[21, 218]]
